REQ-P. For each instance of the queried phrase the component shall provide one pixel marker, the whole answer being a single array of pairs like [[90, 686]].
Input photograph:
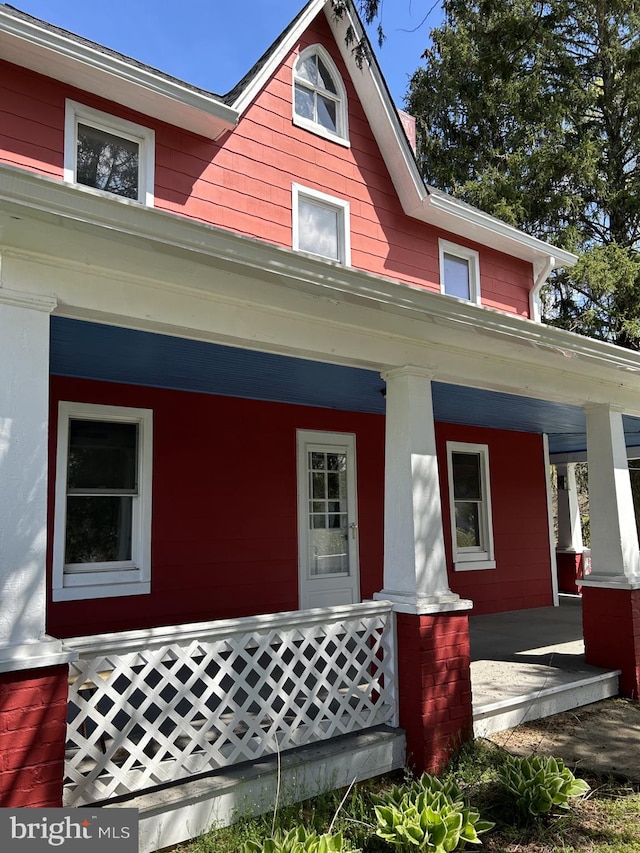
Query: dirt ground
[[603, 738]]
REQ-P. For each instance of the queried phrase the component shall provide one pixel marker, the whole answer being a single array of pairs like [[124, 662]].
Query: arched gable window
[[319, 95]]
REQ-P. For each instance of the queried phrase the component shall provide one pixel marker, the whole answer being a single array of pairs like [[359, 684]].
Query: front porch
[[529, 664], [196, 724]]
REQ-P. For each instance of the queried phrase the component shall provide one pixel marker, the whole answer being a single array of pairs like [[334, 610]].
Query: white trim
[[483, 557], [39, 197], [76, 113], [340, 206], [104, 580], [341, 136], [445, 247], [552, 548]]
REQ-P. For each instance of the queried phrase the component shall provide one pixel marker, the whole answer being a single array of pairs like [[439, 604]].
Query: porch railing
[[165, 704]]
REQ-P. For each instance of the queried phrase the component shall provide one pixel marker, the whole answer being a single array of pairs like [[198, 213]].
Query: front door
[[327, 519]]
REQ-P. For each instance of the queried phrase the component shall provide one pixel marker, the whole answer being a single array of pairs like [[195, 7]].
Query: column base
[[441, 602], [611, 627], [434, 685]]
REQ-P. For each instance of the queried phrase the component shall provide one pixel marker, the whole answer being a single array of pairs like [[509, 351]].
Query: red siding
[[522, 577], [224, 534], [243, 181]]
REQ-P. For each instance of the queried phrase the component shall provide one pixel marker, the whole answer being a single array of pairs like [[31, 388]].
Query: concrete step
[[490, 717], [173, 814]]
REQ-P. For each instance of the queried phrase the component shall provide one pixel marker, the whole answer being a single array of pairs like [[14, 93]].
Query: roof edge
[[67, 57]]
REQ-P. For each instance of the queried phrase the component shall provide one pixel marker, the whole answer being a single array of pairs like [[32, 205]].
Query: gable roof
[[57, 53]]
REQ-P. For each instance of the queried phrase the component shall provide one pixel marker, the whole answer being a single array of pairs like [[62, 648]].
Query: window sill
[[319, 130], [114, 590], [473, 565]]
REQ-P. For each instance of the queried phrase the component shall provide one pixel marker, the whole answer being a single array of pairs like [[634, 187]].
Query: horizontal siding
[[522, 577], [224, 532], [243, 181]]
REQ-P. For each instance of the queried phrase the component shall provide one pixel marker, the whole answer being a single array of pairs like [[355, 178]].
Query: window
[[102, 528], [108, 154], [320, 224], [459, 271], [470, 498], [319, 96]]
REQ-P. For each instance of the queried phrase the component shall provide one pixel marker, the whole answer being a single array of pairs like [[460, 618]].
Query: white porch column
[[415, 571], [24, 417], [569, 527], [615, 555]]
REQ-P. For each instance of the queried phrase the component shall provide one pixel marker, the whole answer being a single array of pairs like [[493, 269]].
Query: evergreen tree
[[531, 111]]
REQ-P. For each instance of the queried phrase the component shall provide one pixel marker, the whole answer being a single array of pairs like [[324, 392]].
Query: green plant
[[540, 784], [300, 840], [428, 814]]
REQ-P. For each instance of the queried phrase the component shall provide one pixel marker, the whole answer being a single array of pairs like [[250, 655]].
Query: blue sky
[[213, 43]]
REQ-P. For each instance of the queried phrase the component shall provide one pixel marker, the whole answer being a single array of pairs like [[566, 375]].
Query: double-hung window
[[320, 224], [319, 96], [470, 499], [459, 271], [102, 535], [108, 154]]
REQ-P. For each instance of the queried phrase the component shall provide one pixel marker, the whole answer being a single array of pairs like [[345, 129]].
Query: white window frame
[[104, 580], [339, 205], [446, 247], [341, 136], [482, 557], [76, 113]]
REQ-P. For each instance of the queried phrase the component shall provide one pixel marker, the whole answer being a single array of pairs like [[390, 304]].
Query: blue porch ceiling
[[94, 351]]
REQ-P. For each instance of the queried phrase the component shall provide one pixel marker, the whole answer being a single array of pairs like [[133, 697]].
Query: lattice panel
[[146, 717]]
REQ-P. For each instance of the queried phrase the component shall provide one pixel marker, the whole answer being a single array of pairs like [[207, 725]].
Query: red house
[[275, 418]]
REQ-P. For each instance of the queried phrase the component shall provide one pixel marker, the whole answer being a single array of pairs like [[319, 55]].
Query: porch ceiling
[[93, 351]]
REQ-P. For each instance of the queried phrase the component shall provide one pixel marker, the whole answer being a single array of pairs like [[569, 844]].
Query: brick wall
[[33, 714], [434, 684], [611, 627]]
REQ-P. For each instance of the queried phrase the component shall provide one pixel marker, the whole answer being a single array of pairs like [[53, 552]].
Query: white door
[[327, 519]]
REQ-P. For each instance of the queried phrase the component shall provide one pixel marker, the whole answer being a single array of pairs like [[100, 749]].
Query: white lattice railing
[[156, 706]]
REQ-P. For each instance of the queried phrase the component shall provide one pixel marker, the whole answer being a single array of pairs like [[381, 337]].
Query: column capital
[[600, 407], [408, 370], [45, 652], [22, 299]]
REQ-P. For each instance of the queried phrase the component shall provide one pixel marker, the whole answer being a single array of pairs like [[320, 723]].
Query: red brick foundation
[[434, 687], [611, 627], [570, 570], [33, 716]]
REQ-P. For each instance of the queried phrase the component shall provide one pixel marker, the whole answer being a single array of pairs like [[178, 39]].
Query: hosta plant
[[300, 840], [540, 784], [428, 815]]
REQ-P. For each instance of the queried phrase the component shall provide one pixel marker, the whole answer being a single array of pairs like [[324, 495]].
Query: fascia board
[[449, 213], [71, 61], [382, 116], [262, 77], [24, 195]]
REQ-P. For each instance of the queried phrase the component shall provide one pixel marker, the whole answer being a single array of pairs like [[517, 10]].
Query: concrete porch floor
[[530, 663]]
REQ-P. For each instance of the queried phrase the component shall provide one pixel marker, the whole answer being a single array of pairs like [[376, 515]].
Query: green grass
[[607, 821]]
